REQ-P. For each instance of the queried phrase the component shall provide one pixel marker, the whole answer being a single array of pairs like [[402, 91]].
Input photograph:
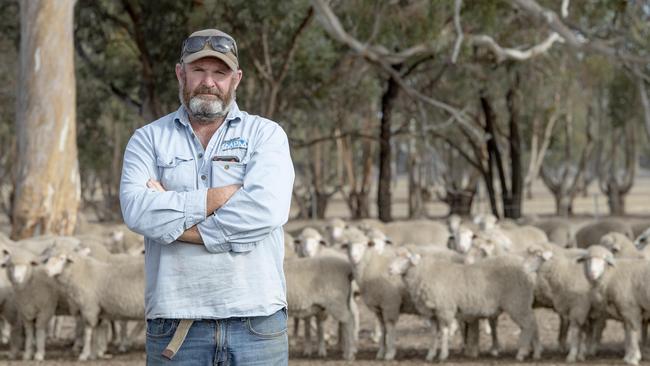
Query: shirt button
[[204, 177], [200, 155]]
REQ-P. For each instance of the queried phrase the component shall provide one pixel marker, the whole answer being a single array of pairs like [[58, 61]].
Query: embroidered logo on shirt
[[236, 143]]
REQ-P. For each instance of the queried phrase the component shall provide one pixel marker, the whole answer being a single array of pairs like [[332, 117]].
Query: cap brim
[[229, 59]]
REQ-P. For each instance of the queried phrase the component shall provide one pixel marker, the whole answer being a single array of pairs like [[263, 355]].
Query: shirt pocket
[[225, 173], [177, 172]]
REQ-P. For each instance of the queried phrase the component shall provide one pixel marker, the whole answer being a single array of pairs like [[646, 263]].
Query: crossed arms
[[216, 217]]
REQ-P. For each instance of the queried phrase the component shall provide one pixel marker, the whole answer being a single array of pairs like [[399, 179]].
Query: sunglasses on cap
[[218, 43]]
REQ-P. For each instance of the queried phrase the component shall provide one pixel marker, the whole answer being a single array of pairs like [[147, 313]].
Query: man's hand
[[218, 197], [156, 185]]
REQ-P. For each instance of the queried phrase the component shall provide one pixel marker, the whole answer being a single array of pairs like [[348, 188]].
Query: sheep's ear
[[616, 248], [6, 257], [371, 243], [322, 242], [609, 260], [345, 246], [474, 236], [581, 258], [33, 263], [547, 255], [68, 259], [388, 241]]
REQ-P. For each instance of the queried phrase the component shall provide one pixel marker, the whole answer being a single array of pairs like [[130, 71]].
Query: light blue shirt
[[238, 271]]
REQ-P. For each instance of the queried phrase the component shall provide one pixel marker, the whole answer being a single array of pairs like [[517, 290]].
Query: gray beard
[[202, 111], [205, 112]]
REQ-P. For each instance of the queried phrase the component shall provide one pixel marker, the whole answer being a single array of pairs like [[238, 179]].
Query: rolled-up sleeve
[[161, 216], [263, 202]]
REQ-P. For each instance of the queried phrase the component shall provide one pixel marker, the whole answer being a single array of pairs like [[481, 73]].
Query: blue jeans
[[248, 341]]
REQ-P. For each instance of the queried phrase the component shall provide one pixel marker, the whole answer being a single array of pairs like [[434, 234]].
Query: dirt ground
[[412, 342]]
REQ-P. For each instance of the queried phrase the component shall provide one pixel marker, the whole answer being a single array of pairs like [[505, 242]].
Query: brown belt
[[178, 338]]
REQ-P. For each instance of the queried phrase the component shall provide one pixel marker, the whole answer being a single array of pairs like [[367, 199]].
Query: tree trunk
[[615, 200], [460, 202], [384, 195], [47, 183], [512, 200], [563, 204]]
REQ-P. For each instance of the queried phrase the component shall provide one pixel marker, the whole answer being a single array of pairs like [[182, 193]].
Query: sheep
[[621, 246], [562, 285], [334, 230], [417, 232], [619, 287], [322, 285], [36, 296], [442, 290], [113, 291], [558, 230], [591, 233], [384, 295], [310, 243]]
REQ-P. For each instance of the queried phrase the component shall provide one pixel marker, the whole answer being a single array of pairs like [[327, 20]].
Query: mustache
[[207, 90]]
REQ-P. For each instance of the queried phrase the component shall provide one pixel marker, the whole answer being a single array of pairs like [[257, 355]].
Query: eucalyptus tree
[[47, 180]]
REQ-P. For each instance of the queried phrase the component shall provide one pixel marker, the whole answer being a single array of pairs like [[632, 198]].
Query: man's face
[[207, 88]]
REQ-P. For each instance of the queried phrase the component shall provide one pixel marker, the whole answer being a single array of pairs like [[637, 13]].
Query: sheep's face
[[308, 246], [335, 229], [486, 222], [403, 262], [595, 267], [18, 271], [117, 236], [612, 241], [378, 241], [462, 240], [56, 264], [596, 261], [535, 258], [357, 249], [643, 240]]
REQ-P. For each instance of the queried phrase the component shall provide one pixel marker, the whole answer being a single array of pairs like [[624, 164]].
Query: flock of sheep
[[97, 277], [457, 275]]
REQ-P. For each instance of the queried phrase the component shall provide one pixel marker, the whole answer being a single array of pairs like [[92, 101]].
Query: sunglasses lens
[[194, 44], [223, 45]]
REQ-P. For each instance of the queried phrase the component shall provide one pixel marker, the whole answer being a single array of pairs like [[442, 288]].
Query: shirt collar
[[234, 115]]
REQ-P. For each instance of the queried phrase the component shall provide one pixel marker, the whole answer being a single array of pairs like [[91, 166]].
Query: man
[[209, 187]]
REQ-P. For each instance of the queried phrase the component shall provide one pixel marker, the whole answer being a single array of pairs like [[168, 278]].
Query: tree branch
[[576, 39]]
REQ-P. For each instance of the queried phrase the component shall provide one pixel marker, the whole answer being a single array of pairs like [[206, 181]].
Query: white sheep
[[560, 282], [384, 295], [444, 290], [322, 286], [113, 291], [591, 233], [36, 296], [308, 244], [620, 288]]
